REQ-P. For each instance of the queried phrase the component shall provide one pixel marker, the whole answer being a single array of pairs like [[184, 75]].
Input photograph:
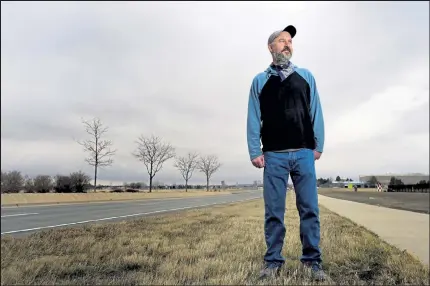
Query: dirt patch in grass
[[221, 245]]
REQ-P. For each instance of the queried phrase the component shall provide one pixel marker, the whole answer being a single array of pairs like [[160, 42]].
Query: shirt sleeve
[[316, 115], [254, 121]]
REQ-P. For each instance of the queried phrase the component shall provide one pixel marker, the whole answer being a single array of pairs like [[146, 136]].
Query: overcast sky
[[182, 71]]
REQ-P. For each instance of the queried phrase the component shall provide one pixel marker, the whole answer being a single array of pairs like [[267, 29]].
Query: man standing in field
[[284, 112]]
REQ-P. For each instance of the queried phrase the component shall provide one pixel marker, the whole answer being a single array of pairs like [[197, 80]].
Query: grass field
[[221, 245], [56, 198]]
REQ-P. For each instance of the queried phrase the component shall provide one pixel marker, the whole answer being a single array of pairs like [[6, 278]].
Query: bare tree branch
[[187, 165], [100, 153], [208, 165], [153, 153]]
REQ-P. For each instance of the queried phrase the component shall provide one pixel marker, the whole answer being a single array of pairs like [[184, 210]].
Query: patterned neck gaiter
[[284, 70]]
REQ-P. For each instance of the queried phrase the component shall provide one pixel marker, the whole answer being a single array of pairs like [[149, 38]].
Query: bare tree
[[208, 165], [12, 182], [43, 184], [79, 181], [153, 153], [100, 153], [187, 165], [373, 181], [29, 184]]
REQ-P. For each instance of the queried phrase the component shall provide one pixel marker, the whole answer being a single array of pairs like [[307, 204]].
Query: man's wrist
[[252, 157]]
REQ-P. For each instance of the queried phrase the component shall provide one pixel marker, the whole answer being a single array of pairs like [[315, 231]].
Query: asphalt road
[[24, 220], [415, 202]]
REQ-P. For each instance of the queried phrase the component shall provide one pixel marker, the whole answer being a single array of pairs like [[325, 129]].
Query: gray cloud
[[415, 121], [182, 71]]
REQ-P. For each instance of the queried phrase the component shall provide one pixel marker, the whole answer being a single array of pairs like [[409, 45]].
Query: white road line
[[18, 215], [155, 203], [110, 218]]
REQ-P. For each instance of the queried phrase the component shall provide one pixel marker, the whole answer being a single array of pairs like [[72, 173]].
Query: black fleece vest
[[285, 114]]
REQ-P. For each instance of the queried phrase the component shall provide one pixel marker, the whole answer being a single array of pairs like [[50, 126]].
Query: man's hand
[[258, 162], [317, 155]]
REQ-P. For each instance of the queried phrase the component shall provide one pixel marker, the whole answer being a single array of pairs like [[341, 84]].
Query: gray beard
[[280, 58]]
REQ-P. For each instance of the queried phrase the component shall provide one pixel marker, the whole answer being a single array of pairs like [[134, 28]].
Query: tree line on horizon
[[151, 150]]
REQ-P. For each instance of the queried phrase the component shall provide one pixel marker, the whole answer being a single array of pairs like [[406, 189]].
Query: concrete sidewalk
[[402, 229]]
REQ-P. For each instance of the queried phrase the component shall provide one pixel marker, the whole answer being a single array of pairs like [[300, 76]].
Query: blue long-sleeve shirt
[[284, 114]]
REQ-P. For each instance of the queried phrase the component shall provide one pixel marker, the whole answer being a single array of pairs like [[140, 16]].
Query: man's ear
[[270, 47]]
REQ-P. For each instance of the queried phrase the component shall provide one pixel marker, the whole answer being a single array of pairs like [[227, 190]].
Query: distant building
[[407, 179], [349, 184]]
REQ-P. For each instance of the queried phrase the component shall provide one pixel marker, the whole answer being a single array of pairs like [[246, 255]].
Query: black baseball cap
[[290, 29]]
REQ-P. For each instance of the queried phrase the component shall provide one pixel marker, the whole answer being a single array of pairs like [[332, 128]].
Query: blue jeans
[[301, 166]]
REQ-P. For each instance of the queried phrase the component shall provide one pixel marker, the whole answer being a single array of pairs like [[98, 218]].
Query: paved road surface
[[416, 202], [27, 219]]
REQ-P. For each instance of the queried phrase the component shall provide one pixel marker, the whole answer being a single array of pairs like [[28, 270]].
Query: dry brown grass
[[60, 198], [218, 245]]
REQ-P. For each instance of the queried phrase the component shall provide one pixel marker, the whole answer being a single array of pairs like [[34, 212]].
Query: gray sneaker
[[315, 270], [269, 272]]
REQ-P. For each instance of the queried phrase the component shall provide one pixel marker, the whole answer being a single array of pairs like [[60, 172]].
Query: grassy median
[[66, 198], [218, 245]]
